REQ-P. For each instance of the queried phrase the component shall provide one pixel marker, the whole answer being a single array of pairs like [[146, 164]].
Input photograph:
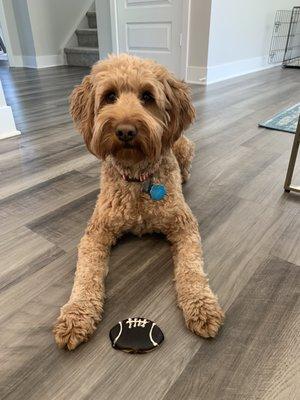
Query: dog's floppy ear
[[179, 107], [82, 101]]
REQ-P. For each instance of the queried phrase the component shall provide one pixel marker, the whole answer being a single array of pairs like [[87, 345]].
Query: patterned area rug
[[286, 120]]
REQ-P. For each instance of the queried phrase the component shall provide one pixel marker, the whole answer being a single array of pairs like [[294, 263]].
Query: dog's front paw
[[202, 313], [76, 323]]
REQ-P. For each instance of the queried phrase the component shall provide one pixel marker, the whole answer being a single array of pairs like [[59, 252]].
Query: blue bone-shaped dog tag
[[157, 192]]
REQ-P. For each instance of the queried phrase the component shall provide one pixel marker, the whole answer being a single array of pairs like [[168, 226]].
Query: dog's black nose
[[126, 132]]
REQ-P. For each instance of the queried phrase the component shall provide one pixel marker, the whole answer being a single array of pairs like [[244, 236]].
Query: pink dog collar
[[142, 178]]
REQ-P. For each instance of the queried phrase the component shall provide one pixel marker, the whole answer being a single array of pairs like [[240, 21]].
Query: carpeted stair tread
[[81, 49], [87, 31]]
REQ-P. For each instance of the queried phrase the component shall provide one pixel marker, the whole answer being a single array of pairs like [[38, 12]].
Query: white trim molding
[[14, 60], [50, 61], [7, 126], [222, 72], [196, 75], [39, 61], [186, 21], [114, 27], [29, 61]]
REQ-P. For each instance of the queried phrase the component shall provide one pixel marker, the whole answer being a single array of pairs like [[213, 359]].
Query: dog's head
[[130, 108]]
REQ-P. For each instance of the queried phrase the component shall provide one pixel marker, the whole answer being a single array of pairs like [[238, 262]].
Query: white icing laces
[[136, 322]]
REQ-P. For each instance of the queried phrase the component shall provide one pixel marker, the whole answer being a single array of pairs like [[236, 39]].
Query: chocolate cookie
[[136, 335]]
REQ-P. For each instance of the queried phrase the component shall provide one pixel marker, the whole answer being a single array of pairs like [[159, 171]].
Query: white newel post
[[7, 122]]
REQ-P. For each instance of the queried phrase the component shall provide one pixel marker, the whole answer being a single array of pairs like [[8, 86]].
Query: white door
[[153, 29]]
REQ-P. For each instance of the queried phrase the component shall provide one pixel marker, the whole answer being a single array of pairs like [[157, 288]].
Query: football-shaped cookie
[[136, 335]]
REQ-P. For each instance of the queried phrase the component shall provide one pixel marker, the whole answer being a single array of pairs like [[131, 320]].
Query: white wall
[[53, 22], [10, 33], [198, 41], [104, 27], [240, 35], [25, 36], [39, 30]]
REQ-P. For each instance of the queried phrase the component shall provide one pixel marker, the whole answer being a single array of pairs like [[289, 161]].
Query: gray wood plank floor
[[250, 230]]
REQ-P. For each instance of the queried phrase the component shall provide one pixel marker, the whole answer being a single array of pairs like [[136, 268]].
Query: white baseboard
[[38, 61], [7, 127], [6, 135], [29, 61], [196, 75], [222, 72], [50, 61], [15, 61]]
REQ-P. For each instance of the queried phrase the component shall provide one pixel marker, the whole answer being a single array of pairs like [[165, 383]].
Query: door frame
[[186, 11]]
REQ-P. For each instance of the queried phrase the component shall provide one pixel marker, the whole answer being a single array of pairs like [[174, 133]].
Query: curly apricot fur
[[159, 148]]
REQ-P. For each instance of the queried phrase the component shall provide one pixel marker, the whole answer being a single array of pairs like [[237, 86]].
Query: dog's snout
[[126, 132]]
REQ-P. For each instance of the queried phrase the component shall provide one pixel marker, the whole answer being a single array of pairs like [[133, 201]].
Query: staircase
[[86, 53]]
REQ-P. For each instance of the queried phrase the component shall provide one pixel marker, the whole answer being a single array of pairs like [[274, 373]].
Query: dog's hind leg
[[79, 317], [200, 307], [183, 149]]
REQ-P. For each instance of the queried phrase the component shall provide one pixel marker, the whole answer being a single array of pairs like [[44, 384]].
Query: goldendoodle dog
[[131, 113]]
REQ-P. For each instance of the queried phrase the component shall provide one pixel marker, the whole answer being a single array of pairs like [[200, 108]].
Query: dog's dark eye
[[147, 97], [111, 97]]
